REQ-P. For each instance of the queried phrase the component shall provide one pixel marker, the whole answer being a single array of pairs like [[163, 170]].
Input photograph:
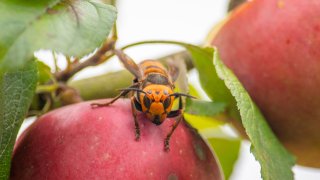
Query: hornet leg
[[134, 114], [175, 125], [123, 93]]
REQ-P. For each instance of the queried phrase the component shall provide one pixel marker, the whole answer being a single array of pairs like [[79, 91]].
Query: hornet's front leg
[[134, 107], [179, 115], [122, 94]]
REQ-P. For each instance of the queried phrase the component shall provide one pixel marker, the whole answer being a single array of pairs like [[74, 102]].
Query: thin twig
[[99, 57]]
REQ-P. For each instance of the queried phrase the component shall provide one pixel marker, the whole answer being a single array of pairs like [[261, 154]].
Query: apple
[[78, 142], [273, 47]]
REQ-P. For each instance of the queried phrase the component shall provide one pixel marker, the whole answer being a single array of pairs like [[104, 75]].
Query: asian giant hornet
[[153, 93]]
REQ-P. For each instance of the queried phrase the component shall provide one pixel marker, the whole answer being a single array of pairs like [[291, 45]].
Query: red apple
[[273, 46], [78, 142]]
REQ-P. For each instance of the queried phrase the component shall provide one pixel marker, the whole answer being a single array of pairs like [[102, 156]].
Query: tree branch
[[100, 56]]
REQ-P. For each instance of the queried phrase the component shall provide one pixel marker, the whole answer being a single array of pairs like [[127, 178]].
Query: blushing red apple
[[78, 142], [273, 46]]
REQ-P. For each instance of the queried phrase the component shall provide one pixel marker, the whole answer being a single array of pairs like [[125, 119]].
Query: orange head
[[156, 102]]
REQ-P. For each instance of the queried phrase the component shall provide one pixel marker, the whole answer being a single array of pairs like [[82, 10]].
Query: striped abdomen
[[154, 72]]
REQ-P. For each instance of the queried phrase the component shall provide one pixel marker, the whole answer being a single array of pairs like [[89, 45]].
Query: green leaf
[[210, 82], [213, 86], [202, 122], [74, 28], [193, 91], [17, 89], [44, 72], [276, 162], [227, 151], [204, 108]]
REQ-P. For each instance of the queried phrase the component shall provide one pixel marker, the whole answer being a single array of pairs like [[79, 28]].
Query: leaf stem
[[115, 32], [46, 88], [156, 42], [55, 60]]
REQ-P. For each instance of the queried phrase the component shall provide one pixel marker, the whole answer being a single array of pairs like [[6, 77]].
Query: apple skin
[[78, 142], [273, 47]]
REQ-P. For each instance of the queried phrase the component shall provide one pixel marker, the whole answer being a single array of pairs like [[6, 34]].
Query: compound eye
[[146, 102], [167, 102]]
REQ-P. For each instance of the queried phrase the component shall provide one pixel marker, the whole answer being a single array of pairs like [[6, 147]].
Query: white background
[[178, 20]]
